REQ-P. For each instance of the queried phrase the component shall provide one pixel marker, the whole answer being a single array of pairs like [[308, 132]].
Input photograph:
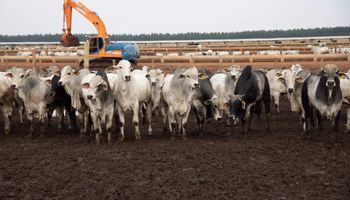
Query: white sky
[[174, 16]]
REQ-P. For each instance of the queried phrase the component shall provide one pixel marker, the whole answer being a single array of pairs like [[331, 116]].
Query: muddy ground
[[219, 165]]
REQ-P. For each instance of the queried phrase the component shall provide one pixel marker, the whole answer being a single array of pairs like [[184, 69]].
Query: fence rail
[[190, 59]]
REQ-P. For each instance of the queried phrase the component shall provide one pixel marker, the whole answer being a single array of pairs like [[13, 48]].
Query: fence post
[[34, 59], [86, 54]]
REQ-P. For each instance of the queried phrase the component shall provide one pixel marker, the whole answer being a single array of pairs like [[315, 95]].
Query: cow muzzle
[[196, 85], [89, 97], [290, 90], [59, 83], [153, 83], [127, 78], [330, 84]]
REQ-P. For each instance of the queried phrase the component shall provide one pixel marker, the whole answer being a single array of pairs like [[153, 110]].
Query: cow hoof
[[138, 139], [184, 138], [172, 137]]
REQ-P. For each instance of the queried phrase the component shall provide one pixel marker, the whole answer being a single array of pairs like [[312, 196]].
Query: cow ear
[[243, 104], [299, 79], [226, 106], [9, 74], [342, 75], [202, 76], [57, 73], [181, 76], [48, 81], [27, 73], [111, 69], [85, 86]]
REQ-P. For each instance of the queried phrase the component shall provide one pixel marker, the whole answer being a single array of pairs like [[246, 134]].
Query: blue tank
[[130, 51]]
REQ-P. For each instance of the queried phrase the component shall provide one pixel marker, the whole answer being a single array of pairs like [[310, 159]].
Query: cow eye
[[22, 76], [120, 67], [68, 73], [188, 76]]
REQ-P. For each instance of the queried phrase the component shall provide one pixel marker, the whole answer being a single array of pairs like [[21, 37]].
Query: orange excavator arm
[[67, 38]]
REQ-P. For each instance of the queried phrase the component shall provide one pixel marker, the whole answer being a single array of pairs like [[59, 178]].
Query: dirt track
[[282, 165]]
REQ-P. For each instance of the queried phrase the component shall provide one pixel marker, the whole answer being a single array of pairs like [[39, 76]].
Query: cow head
[[289, 79], [296, 68], [190, 77], [233, 71], [213, 104], [124, 70], [153, 77], [237, 108], [67, 74], [97, 87], [330, 74], [19, 77]]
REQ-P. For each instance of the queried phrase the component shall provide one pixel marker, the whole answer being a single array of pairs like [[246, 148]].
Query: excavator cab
[[96, 44]]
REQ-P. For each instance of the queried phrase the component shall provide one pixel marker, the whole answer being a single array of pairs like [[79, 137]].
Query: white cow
[[6, 99], [177, 94], [224, 85], [294, 80], [131, 89], [71, 81], [345, 89], [35, 94], [319, 49], [276, 79], [101, 103], [156, 80]]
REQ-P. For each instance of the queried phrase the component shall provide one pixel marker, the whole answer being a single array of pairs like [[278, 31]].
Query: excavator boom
[[67, 38]]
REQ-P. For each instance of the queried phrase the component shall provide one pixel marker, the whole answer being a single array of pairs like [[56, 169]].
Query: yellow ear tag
[[342, 76], [202, 76]]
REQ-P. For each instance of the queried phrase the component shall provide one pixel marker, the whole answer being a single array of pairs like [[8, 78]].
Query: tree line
[[311, 32]]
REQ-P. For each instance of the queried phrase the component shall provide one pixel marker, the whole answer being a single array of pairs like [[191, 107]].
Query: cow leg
[[171, 121], [149, 118], [121, 123], [184, 122], [60, 115], [318, 124], [97, 127], [30, 121], [348, 119], [49, 116], [109, 125], [247, 118], [86, 121], [81, 123], [135, 120], [199, 119], [335, 125], [7, 113], [227, 113], [42, 112], [276, 97], [164, 115]]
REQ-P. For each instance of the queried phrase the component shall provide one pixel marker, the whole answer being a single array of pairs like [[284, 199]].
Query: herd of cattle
[[232, 94]]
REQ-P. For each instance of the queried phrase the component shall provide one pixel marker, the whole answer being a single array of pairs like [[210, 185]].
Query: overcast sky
[[174, 16]]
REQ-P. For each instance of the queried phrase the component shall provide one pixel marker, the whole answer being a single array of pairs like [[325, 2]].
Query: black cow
[[252, 89], [204, 103], [322, 96], [61, 101]]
